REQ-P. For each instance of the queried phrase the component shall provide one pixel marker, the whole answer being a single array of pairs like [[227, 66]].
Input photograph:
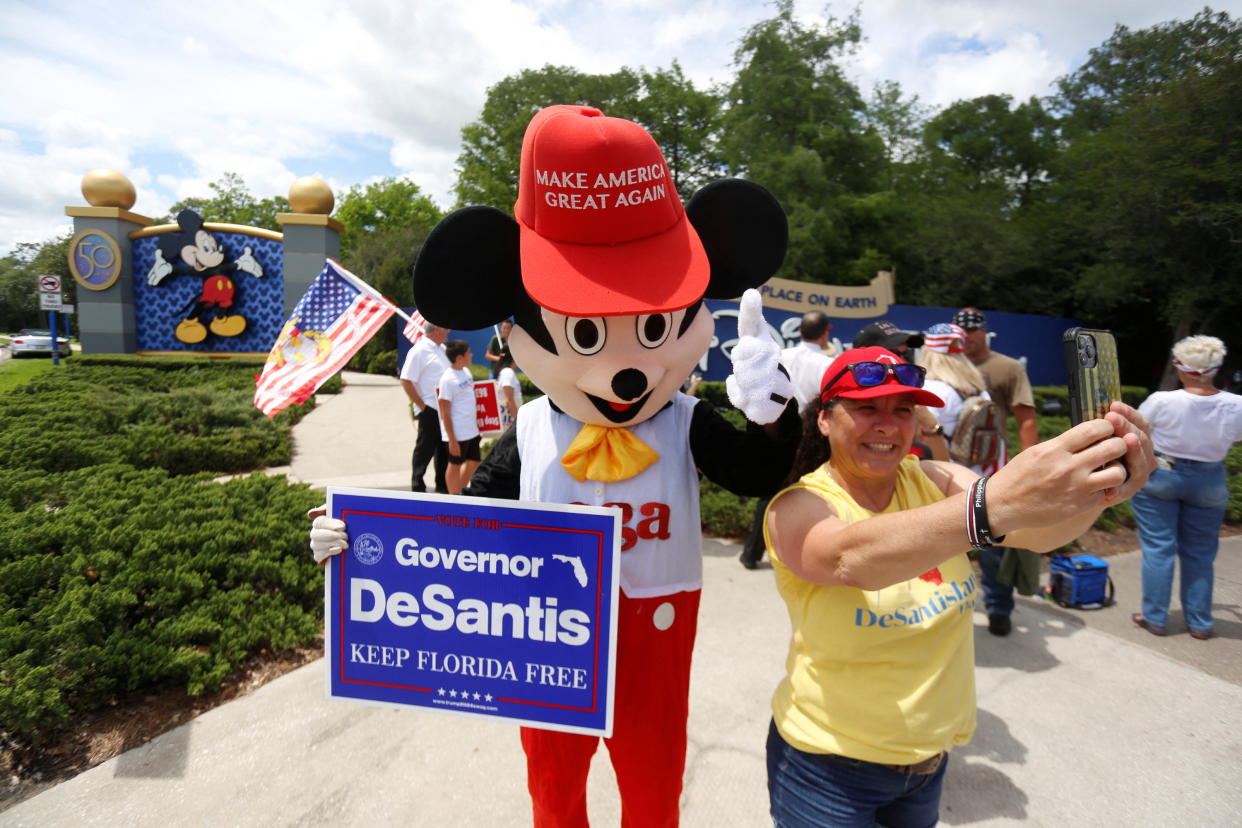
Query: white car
[[36, 342]]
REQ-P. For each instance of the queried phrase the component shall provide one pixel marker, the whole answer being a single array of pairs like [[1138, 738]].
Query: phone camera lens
[[1086, 350]]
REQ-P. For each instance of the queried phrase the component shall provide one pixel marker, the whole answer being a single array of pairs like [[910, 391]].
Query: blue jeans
[[1179, 513], [809, 790], [997, 597]]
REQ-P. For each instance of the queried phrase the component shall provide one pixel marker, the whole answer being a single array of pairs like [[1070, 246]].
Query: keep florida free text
[[439, 609]]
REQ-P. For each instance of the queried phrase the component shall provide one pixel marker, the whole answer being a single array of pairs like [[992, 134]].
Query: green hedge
[[122, 567], [187, 418], [115, 579]]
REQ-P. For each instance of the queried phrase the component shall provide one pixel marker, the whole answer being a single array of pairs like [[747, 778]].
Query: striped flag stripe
[[338, 314]]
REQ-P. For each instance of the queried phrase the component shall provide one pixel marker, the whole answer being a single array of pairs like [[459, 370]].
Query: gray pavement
[[1084, 719]]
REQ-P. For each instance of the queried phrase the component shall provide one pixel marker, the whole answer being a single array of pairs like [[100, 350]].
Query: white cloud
[[176, 95]]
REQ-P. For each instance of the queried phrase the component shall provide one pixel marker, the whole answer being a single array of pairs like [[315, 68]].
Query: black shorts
[[469, 450]]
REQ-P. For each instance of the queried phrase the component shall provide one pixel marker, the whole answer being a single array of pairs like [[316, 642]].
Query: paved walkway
[[1084, 720]]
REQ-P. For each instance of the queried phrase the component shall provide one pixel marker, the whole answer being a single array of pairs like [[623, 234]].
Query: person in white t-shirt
[[1180, 510], [459, 425], [424, 364], [510, 389]]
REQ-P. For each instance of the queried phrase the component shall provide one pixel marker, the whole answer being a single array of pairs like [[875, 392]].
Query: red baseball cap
[[603, 232], [844, 384]]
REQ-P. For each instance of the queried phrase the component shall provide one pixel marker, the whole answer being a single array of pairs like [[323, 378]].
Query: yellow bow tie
[[607, 454]]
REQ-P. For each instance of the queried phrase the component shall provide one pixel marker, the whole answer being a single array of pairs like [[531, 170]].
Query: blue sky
[[175, 94]]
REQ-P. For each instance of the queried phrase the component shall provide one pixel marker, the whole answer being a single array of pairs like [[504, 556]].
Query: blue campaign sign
[[495, 608]]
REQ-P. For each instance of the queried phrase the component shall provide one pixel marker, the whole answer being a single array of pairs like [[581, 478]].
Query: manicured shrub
[[122, 566], [114, 579], [383, 362], [176, 416]]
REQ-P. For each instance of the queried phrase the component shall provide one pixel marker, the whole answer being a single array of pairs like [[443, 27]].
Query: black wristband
[[978, 532]]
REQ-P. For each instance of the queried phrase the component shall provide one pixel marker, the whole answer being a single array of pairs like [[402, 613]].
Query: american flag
[[336, 317], [413, 330], [944, 338]]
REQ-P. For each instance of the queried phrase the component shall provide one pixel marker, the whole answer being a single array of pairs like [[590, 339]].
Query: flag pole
[[367, 289]]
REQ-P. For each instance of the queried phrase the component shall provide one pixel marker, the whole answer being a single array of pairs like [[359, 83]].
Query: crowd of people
[[882, 470], [869, 533], [436, 378]]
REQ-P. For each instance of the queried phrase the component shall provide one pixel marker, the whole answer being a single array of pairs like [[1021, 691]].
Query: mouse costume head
[[603, 270]]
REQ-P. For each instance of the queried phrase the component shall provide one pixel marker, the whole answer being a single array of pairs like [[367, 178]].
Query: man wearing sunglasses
[[1010, 389]]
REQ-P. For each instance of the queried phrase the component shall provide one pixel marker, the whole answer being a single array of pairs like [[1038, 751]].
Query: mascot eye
[[586, 336], [653, 329]]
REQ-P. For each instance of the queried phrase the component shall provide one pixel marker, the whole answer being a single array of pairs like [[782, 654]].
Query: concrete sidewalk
[[1084, 719]]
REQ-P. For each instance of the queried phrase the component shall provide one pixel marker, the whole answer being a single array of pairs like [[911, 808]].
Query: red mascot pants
[[655, 639]]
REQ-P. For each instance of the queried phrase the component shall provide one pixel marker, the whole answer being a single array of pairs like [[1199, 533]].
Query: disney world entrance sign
[[857, 301]]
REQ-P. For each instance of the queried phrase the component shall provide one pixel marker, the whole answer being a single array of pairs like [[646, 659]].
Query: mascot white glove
[[327, 535], [159, 269], [759, 387], [248, 263]]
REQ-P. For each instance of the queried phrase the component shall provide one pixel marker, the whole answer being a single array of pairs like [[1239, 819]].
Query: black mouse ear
[[469, 270], [743, 230], [189, 221]]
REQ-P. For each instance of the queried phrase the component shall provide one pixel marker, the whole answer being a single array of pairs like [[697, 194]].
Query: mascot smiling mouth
[[618, 412]]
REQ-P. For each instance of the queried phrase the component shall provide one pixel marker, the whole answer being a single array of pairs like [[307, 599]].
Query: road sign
[[66, 309], [51, 301], [49, 284]]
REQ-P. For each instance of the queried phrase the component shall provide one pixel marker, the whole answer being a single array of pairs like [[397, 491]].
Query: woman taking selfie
[[869, 548]]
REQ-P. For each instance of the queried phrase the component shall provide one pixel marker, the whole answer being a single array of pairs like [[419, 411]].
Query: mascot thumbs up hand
[[759, 386]]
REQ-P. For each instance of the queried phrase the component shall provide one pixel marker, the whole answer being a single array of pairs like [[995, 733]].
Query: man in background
[[1010, 389], [424, 364], [806, 363]]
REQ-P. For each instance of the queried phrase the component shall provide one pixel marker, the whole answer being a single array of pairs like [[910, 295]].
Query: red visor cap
[[848, 387], [603, 232]]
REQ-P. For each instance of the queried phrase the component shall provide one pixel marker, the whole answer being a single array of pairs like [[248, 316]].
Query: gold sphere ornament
[[108, 188], [309, 194]]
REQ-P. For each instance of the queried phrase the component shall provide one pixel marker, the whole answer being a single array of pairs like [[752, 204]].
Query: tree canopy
[[231, 203], [1115, 201]]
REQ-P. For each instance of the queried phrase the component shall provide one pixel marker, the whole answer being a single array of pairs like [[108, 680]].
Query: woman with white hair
[[1181, 508]]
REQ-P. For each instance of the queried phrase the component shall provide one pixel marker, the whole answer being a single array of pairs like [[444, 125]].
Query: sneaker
[[999, 624]]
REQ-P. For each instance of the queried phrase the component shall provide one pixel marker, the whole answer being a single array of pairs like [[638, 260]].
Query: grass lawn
[[14, 372]]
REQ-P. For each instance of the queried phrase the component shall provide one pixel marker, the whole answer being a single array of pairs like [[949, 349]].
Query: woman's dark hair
[[814, 449], [506, 359]]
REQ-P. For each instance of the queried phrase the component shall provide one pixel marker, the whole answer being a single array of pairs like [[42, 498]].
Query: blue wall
[[1019, 335]]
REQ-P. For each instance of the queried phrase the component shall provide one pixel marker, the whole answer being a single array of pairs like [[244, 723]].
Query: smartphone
[[1094, 377]]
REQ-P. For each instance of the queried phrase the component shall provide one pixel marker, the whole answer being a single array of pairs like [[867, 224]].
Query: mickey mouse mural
[[604, 273], [197, 252]]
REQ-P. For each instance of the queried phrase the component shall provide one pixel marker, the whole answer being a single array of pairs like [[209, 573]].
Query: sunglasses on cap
[[871, 374]]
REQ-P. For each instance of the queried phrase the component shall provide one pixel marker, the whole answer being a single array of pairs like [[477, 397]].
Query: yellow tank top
[[886, 675]]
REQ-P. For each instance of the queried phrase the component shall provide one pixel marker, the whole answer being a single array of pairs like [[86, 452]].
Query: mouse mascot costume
[[604, 274]]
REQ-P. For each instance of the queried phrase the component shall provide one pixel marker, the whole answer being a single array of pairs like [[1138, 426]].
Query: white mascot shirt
[[661, 535]]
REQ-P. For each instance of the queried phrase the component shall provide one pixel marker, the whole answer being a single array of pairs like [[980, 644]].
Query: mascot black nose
[[629, 384]]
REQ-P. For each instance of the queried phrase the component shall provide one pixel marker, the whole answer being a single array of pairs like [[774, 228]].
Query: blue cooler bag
[[1080, 582]]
